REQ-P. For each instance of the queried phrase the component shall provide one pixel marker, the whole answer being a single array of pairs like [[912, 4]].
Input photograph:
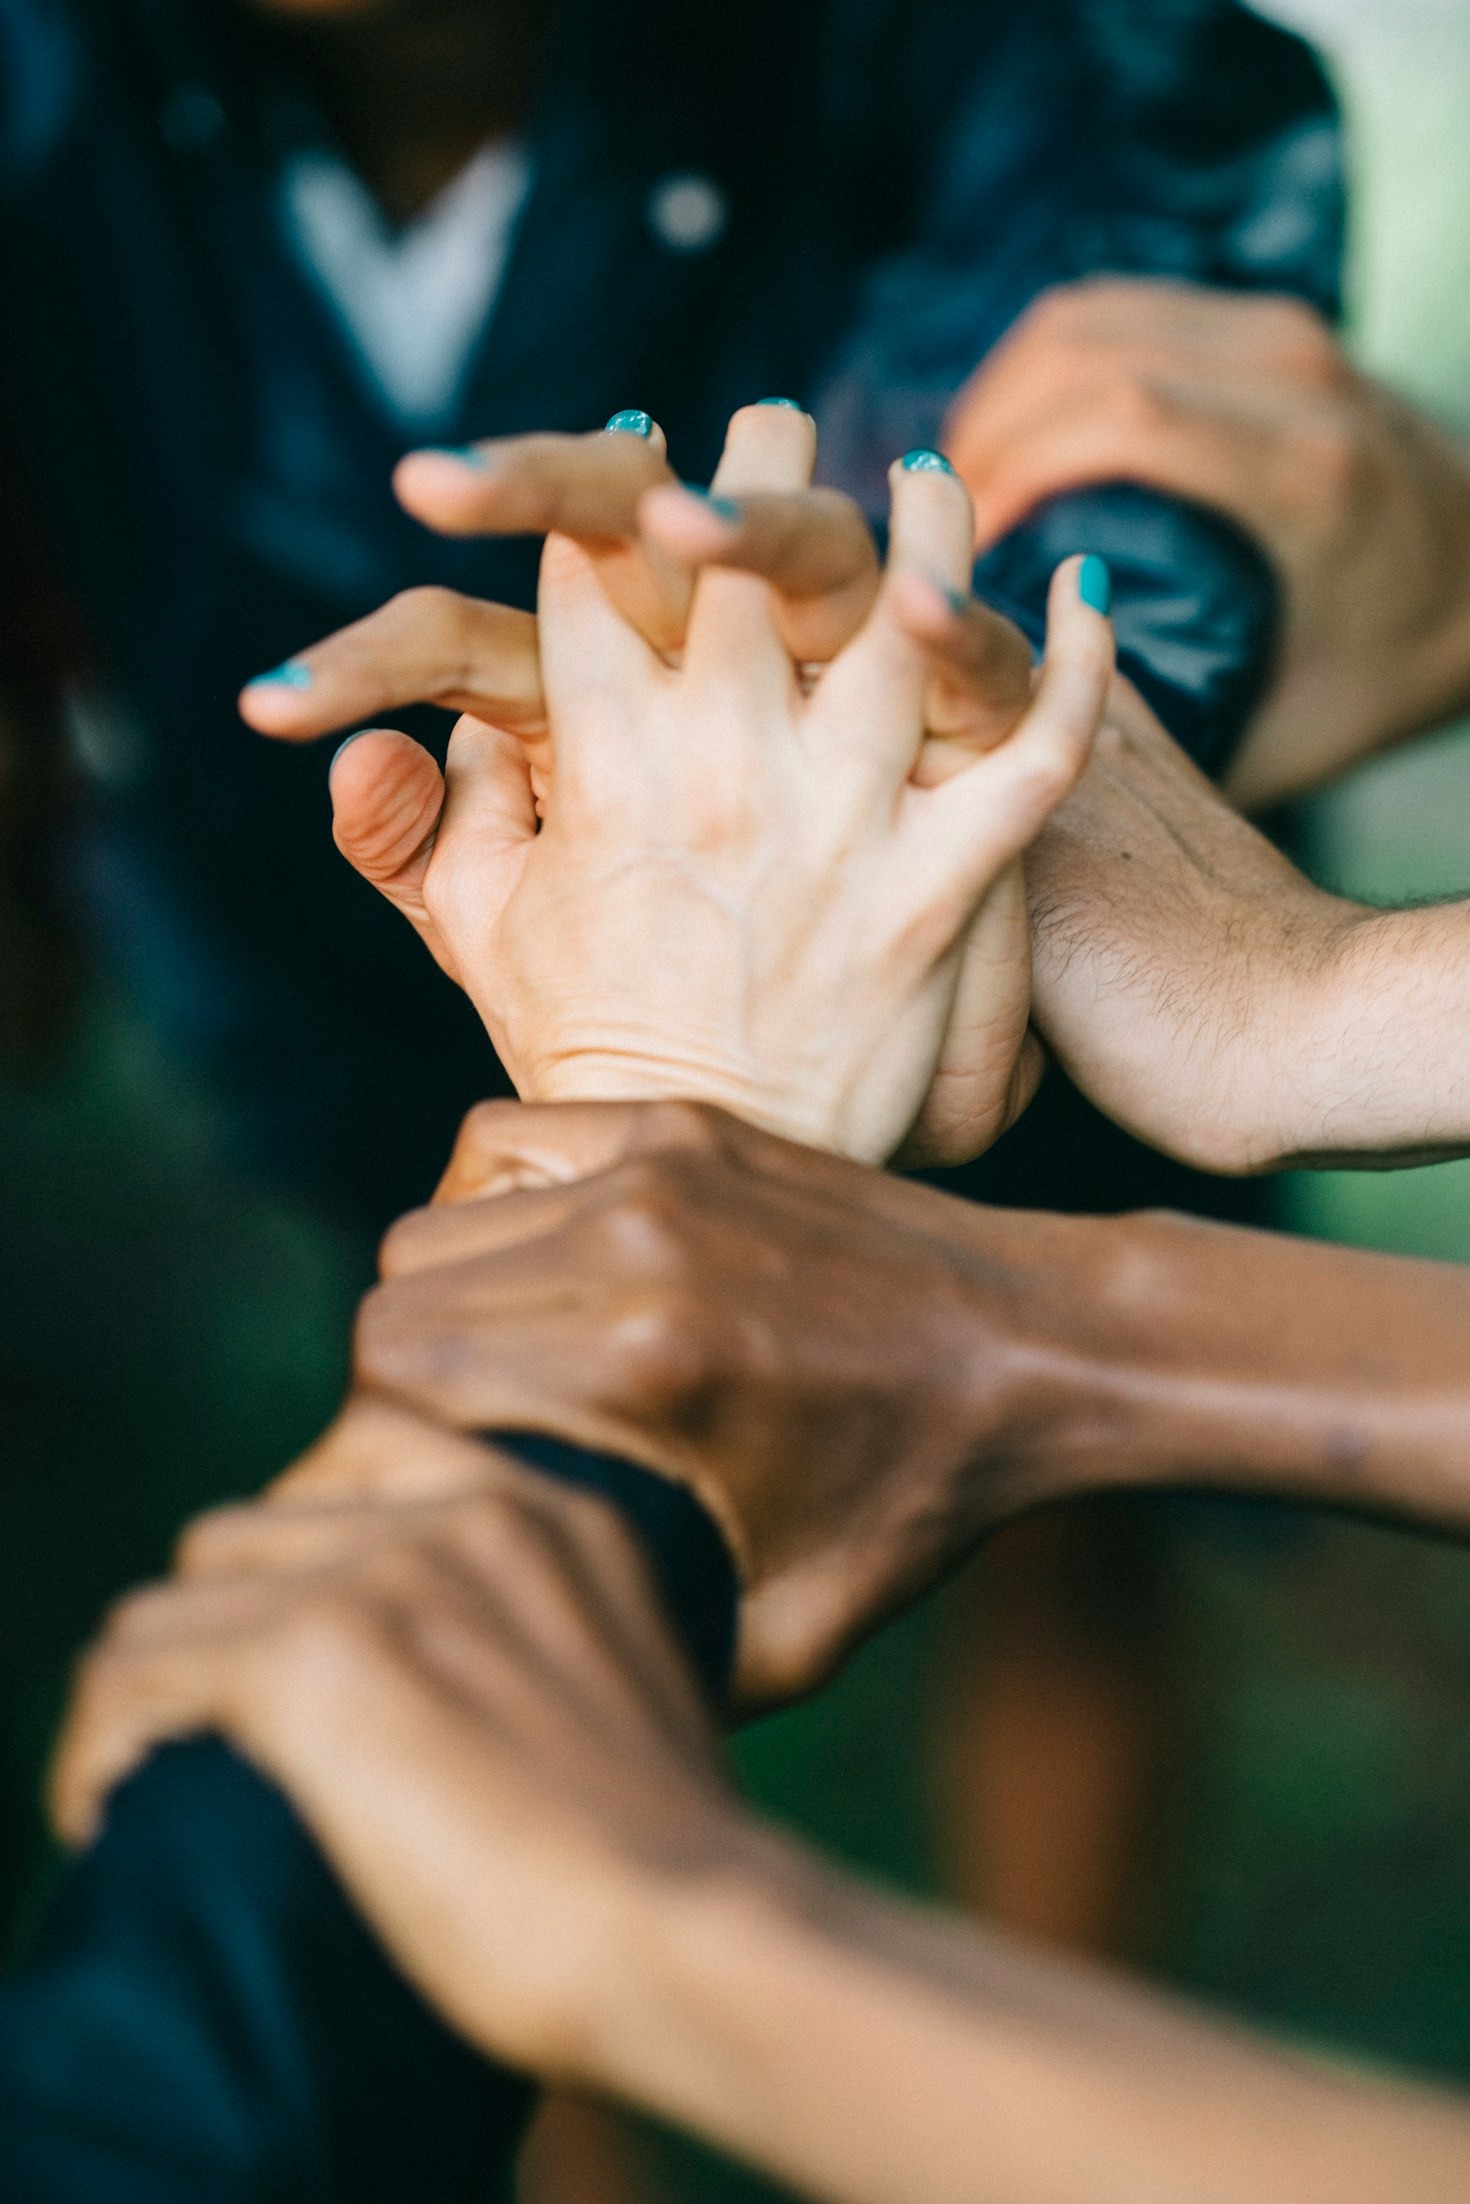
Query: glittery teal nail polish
[[1095, 584], [924, 461], [630, 422], [723, 508], [791, 404], [292, 675]]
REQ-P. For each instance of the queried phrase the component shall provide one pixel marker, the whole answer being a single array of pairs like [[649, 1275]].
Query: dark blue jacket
[[898, 178]]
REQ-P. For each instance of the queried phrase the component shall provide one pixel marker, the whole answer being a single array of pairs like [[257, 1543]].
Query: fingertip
[[928, 607], [1085, 580], [633, 421], [1095, 584], [689, 521], [445, 486], [387, 793], [277, 702]]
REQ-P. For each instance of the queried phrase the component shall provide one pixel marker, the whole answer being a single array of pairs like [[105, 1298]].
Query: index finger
[[503, 1146], [586, 487]]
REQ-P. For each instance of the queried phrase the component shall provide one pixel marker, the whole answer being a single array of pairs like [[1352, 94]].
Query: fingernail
[[723, 508], [791, 404], [347, 745], [464, 455], [293, 674], [1095, 584], [958, 600], [924, 461], [630, 422]]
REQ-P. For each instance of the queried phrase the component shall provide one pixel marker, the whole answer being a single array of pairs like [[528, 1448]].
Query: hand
[[1185, 973], [1248, 405], [518, 1759], [786, 937], [844, 1366], [646, 538], [813, 547], [521, 1796]]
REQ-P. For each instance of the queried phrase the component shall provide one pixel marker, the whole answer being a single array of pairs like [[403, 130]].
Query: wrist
[[1120, 1368], [1199, 1355], [672, 1928], [613, 1076]]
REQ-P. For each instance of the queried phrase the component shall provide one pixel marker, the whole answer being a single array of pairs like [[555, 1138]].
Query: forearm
[[870, 2055], [1163, 1351], [1384, 1077], [1214, 1002]]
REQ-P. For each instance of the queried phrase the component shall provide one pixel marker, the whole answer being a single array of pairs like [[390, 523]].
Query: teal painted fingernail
[[958, 600], [630, 422], [924, 461], [791, 404], [723, 508], [291, 675], [1095, 584]]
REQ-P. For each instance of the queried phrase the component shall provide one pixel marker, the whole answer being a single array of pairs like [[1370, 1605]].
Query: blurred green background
[[170, 1334]]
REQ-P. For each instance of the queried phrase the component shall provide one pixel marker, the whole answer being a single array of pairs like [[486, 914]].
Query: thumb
[[387, 800], [507, 1146]]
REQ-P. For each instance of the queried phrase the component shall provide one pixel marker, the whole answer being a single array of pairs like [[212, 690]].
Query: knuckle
[[1323, 468], [1053, 313], [426, 605], [407, 1242], [314, 1637], [1050, 772], [129, 1617], [403, 1344], [698, 1127], [644, 1222], [1294, 339], [662, 1353], [485, 1132], [210, 1538], [1137, 408]]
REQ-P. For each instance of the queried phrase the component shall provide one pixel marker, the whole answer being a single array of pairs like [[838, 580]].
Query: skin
[[525, 1799], [1197, 986], [413, 90], [1250, 405], [828, 934], [861, 1377]]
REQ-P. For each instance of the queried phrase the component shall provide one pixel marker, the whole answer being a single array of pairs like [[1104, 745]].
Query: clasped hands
[[744, 838]]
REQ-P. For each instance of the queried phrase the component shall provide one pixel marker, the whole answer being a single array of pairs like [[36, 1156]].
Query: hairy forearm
[[1161, 1350], [1385, 1064], [1217, 1004], [872, 2055]]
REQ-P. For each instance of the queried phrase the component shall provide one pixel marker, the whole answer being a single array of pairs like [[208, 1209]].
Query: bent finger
[[769, 448], [504, 1145], [871, 703], [425, 646], [813, 546], [988, 813], [585, 487], [981, 672]]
